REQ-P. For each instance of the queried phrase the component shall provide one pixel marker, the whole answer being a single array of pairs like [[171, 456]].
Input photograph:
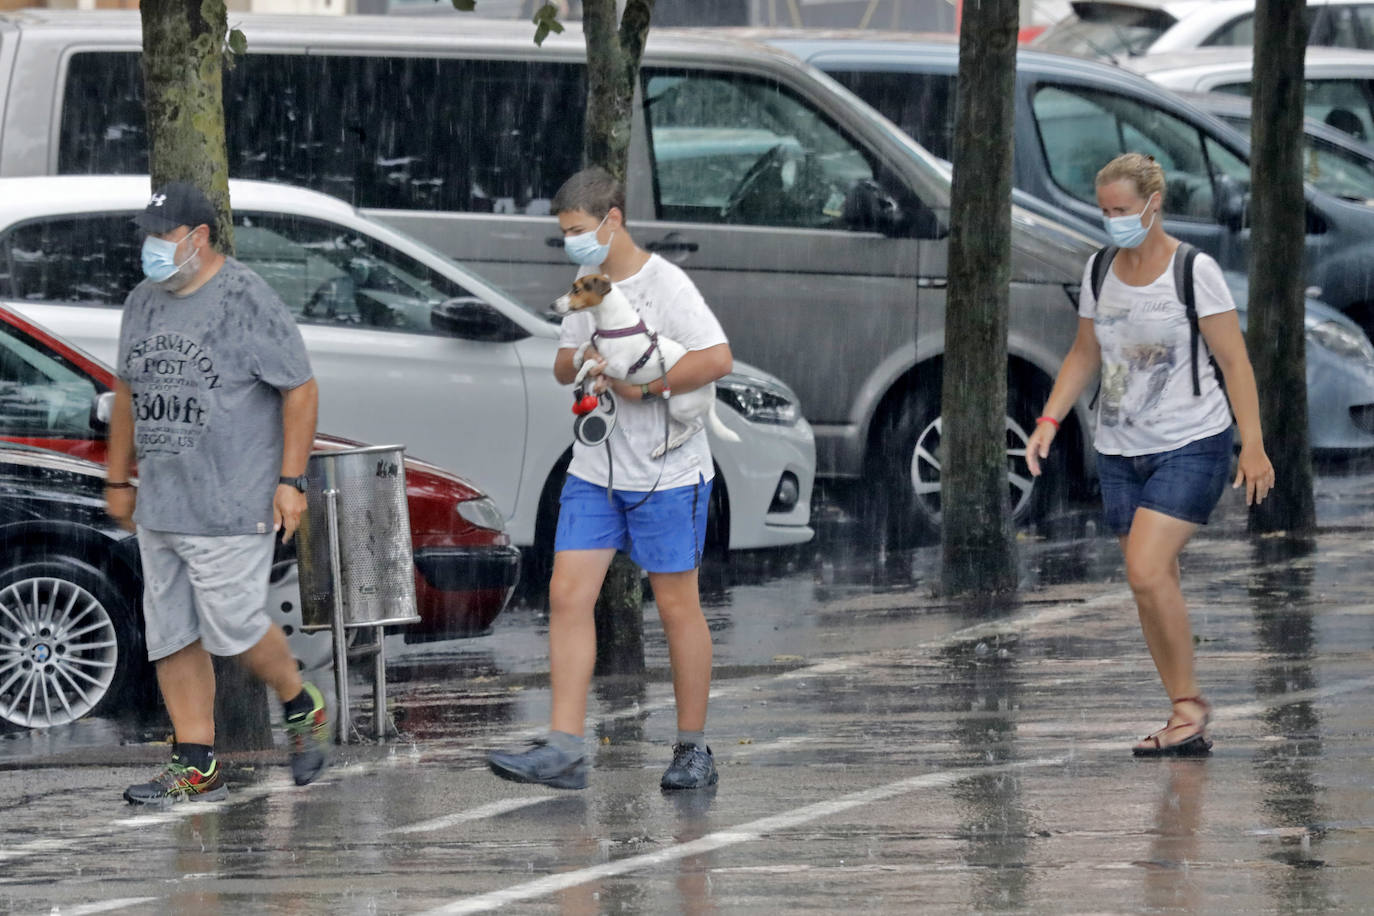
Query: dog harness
[[640, 328]]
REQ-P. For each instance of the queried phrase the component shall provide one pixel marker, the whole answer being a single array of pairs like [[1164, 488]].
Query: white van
[[814, 227]]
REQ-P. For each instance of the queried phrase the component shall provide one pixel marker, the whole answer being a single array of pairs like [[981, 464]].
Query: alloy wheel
[[58, 652], [928, 456]]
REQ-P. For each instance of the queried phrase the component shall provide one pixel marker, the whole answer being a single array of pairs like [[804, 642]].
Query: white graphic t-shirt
[[670, 304], [1147, 404]]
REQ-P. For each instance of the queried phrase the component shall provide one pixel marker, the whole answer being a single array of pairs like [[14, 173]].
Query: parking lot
[[874, 742]]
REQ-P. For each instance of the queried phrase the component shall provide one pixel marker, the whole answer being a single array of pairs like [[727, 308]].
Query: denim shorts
[[667, 533], [1184, 483]]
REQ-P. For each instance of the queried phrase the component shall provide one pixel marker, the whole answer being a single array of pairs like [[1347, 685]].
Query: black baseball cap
[[176, 203]]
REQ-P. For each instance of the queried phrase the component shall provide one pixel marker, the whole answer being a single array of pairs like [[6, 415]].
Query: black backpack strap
[[1101, 263], [1183, 287]]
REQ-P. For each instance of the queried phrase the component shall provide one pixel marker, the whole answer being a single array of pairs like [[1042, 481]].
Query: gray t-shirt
[[207, 371]]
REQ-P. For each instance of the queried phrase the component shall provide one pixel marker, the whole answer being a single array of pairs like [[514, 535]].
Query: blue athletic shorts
[[665, 534], [1184, 483]]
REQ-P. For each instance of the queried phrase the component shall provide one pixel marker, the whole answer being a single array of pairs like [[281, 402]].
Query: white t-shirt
[[1147, 403], [670, 304]]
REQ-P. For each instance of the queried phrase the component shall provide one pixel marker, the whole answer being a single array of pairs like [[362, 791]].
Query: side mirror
[[868, 208], [102, 409], [470, 318], [1230, 200]]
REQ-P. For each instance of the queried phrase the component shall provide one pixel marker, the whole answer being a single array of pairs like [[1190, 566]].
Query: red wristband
[[1050, 420]]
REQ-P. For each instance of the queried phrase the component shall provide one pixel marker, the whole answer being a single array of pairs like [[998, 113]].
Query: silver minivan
[[814, 227]]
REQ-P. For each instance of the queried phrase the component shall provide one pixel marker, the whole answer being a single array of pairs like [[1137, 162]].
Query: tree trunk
[[1275, 335], [976, 537], [613, 53], [619, 619], [183, 53]]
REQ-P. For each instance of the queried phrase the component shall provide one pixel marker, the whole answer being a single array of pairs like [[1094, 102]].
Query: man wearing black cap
[[217, 400]]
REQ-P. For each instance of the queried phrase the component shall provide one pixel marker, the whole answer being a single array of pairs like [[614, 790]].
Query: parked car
[[1113, 29], [55, 396], [847, 219], [70, 627], [1333, 160], [407, 346], [1339, 82], [71, 621], [1072, 116]]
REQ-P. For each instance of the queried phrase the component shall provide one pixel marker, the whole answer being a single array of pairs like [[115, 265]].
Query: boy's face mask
[[584, 249]]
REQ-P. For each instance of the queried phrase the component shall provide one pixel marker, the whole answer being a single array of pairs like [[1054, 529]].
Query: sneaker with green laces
[[309, 735], [179, 783]]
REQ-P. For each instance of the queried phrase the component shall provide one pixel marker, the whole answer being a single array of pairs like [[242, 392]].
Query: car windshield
[[1105, 32], [1328, 167]]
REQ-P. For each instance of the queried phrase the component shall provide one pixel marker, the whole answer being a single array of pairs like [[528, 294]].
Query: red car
[[55, 396]]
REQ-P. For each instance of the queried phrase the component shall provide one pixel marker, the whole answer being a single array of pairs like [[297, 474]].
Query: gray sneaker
[[693, 767], [542, 764]]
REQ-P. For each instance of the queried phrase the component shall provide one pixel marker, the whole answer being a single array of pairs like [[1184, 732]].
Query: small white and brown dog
[[635, 353]]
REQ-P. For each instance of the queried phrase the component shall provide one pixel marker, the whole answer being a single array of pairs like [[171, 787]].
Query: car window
[[1239, 32], [1345, 104], [41, 394], [90, 259], [1110, 32], [483, 136], [729, 148], [326, 273], [1082, 129], [921, 104], [1334, 169], [1364, 22]]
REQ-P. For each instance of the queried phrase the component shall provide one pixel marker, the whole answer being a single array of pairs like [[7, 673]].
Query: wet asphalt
[[879, 747]]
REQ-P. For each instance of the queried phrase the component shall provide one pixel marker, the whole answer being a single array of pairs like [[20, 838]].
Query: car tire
[[907, 472], [69, 644]]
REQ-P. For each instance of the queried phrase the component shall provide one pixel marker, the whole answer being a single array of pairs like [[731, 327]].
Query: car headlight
[[759, 400], [1341, 340], [483, 513]]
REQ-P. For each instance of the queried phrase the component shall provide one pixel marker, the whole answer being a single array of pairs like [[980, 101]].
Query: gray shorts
[[211, 588]]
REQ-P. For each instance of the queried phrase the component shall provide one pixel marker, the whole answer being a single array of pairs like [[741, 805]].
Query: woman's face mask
[[584, 249], [160, 261], [1127, 231]]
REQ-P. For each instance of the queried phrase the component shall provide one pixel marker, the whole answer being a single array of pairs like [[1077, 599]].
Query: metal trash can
[[376, 579], [356, 564]]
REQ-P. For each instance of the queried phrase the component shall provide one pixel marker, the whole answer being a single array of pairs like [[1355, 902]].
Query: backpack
[[1183, 288]]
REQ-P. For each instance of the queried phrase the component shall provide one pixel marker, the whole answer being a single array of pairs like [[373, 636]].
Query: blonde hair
[[1137, 168]]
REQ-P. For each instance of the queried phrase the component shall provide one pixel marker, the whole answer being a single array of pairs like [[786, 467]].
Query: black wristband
[[118, 485]]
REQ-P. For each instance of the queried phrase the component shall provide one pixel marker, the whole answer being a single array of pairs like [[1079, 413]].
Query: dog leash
[[667, 433]]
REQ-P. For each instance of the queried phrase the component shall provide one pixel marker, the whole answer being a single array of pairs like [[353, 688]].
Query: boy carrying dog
[[656, 510]]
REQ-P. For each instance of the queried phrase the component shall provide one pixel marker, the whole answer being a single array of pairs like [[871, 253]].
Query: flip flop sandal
[[1195, 745]]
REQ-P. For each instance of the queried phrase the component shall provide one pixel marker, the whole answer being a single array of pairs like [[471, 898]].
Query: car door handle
[[554, 241], [668, 246], [932, 282]]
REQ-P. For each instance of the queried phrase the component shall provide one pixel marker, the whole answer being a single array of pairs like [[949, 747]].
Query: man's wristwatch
[[301, 483]]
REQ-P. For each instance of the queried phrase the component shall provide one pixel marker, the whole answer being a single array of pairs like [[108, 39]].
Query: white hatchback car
[[408, 346]]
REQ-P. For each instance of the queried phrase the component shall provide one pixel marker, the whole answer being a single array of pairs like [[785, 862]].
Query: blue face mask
[[160, 258], [1126, 231], [584, 249]]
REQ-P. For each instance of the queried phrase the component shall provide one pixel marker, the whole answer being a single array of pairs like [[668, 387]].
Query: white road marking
[[481, 812], [104, 906], [743, 833]]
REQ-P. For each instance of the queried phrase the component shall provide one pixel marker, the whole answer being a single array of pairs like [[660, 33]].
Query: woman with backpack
[[1164, 435]]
